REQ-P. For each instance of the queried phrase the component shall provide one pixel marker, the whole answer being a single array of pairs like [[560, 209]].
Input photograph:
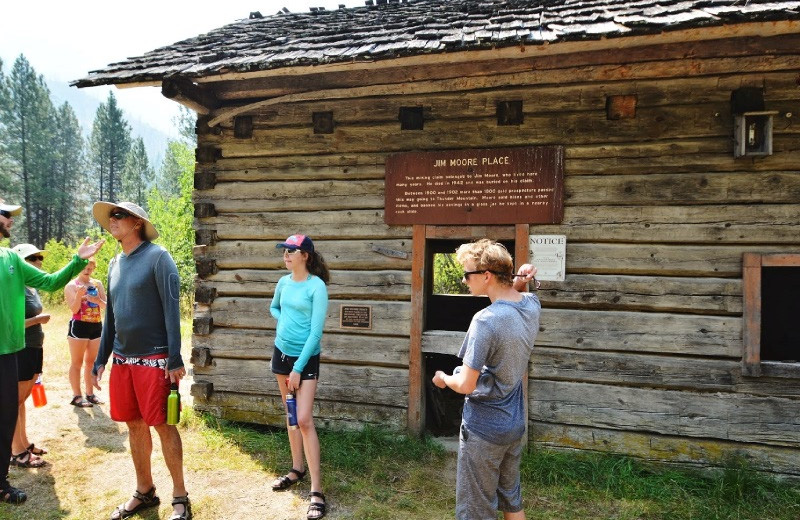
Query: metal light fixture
[[752, 128]]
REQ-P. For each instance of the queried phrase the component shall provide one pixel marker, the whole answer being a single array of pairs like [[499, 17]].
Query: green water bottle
[[174, 405]]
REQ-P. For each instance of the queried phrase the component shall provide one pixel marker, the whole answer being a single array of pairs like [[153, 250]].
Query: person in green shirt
[[15, 274]]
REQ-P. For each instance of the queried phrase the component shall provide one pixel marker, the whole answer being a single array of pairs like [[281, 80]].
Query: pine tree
[[168, 182], [137, 176], [71, 197], [109, 144], [28, 129]]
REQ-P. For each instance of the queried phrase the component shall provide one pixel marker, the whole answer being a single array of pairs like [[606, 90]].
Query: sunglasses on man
[[536, 283], [5, 213], [120, 215], [35, 258]]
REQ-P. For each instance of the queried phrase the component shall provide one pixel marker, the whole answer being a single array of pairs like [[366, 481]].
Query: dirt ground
[[90, 469]]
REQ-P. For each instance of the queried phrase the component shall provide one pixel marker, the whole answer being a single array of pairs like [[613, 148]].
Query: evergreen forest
[[55, 170]]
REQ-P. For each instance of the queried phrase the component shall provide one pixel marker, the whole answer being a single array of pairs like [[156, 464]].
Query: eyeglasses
[[120, 215], [467, 273], [35, 258], [290, 252], [5, 213], [536, 283]]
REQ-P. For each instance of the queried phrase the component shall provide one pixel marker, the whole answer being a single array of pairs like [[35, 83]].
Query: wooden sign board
[[488, 186], [355, 317], [548, 253]]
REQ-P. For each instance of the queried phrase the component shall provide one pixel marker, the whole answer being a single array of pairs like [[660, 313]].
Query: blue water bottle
[[291, 411], [91, 290]]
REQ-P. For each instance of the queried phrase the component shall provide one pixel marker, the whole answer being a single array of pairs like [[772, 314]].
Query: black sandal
[[187, 508], [12, 495], [316, 510], [80, 402], [146, 500], [284, 482], [30, 460], [94, 399], [36, 451]]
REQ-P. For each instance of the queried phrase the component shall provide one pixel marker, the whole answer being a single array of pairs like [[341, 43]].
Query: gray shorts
[[487, 479]]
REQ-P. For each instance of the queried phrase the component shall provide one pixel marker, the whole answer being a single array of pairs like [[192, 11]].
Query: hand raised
[[86, 249]]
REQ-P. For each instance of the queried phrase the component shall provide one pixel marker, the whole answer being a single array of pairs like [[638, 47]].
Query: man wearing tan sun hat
[[15, 274], [141, 331]]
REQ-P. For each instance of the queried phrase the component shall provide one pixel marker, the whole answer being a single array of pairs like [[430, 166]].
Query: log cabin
[[659, 144]]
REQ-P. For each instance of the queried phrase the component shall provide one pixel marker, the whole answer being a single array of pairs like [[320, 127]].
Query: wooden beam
[[416, 406], [751, 324], [189, 94]]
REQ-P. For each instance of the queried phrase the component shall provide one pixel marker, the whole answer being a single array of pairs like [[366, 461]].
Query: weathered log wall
[[640, 347]]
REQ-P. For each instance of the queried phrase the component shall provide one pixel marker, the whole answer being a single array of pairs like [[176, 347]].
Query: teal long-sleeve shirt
[[300, 308], [15, 274]]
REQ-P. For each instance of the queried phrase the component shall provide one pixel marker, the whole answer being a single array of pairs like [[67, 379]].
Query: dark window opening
[[443, 406], [411, 118], [780, 311]]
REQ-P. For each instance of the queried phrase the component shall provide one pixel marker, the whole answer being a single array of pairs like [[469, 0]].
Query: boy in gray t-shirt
[[495, 356]]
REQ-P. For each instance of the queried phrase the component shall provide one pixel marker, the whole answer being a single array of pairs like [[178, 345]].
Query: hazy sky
[[65, 40]]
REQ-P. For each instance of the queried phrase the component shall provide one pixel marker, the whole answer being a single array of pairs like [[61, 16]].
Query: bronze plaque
[[489, 186], [355, 317]]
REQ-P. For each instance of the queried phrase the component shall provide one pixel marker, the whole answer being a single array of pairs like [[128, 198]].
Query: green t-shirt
[[15, 274]]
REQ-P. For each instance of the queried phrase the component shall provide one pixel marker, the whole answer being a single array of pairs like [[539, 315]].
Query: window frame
[[752, 365]]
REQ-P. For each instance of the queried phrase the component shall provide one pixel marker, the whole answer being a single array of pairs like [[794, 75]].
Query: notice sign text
[[488, 186], [355, 317]]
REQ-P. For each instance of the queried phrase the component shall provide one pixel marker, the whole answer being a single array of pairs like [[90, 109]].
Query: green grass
[[380, 475]]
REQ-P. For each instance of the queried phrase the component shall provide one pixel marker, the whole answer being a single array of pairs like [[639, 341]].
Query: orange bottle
[[37, 392]]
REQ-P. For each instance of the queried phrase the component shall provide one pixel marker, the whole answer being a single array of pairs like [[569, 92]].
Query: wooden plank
[[645, 293], [339, 254], [329, 224], [674, 334], [634, 370], [378, 285], [549, 98], [732, 417], [674, 122], [341, 348], [674, 156], [388, 318], [467, 233], [268, 409], [751, 323], [733, 224], [661, 259], [416, 404], [684, 188], [230, 197], [351, 384], [701, 453]]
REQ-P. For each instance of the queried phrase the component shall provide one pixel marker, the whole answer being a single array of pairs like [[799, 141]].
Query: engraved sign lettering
[[355, 317], [488, 186]]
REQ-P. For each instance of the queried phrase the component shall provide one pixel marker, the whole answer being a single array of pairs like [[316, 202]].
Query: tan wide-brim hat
[[102, 214], [26, 250], [11, 208]]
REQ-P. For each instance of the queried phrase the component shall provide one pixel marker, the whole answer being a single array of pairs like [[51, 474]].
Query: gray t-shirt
[[499, 343]]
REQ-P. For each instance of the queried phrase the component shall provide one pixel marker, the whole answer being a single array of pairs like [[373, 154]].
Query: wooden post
[[521, 256], [416, 405]]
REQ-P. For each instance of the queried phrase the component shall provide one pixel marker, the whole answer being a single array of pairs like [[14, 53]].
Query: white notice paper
[[549, 254]]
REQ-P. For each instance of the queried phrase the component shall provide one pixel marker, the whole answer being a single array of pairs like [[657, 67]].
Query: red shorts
[[138, 389]]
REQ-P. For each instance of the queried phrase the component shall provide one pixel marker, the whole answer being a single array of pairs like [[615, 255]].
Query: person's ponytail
[[317, 266]]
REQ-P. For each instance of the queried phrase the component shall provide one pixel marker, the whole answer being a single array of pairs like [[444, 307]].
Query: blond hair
[[488, 255]]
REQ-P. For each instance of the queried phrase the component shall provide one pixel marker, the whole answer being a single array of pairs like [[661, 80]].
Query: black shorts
[[29, 363], [84, 329], [282, 365]]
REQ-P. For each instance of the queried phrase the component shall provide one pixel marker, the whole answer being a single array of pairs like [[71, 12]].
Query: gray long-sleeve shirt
[[142, 314]]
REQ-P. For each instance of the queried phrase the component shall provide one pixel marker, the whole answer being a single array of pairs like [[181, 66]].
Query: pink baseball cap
[[301, 242]]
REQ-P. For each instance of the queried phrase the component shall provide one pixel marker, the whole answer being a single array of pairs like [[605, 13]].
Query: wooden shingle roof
[[391, 29]]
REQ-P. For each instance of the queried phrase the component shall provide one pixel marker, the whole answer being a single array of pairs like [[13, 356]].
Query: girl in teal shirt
[[300, 305]]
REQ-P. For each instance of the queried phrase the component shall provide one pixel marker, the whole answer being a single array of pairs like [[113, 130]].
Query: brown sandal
[[27, 459], [36, 451]]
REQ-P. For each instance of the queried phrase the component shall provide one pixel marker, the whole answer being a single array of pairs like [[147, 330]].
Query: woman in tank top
[[86, 299]]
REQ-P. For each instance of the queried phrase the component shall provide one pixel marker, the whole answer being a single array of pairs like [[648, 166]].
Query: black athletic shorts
[[84, 329], [282, 365], [29, 363]]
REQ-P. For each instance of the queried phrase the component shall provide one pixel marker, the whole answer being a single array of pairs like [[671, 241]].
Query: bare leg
[[92, 346], [305, 420], [295, 437], [141, 450], [172, 447], [519, 515], [77, 350], [20, 442]]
